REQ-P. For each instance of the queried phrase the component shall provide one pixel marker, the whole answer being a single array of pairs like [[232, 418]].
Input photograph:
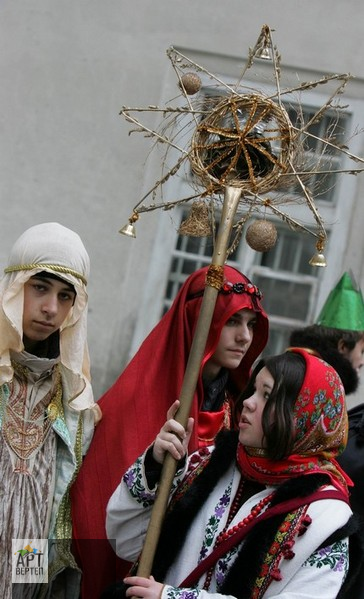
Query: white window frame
[[333, 213]]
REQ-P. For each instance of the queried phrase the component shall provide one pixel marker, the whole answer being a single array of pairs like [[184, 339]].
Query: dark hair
[[44, 274], [325, 342], [317, 336], [288, 371]]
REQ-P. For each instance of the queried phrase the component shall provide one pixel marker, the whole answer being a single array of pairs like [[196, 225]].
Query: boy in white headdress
[[47, 410]]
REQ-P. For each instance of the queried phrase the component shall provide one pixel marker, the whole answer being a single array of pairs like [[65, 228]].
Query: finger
[[173, 409], [135, 591], [173, 446], [174, 427], [140, 581]]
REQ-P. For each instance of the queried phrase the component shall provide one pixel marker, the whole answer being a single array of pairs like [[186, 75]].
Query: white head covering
[[53, 248]]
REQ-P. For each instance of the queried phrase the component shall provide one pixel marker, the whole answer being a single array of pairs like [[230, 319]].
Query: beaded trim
[[64, 519], [227, 287], [63, 531], [55, 267], [239, 288], [294, 524]]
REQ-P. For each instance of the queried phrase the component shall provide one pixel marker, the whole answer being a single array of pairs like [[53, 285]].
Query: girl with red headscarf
[[134, 407], [264, 513]]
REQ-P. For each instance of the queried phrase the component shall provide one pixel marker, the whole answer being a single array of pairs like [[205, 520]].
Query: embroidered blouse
[[311, 574]]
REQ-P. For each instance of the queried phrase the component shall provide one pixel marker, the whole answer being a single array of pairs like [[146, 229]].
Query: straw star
[[233, 135]]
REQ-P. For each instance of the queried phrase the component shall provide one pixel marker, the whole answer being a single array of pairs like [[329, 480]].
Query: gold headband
[[55, 267]]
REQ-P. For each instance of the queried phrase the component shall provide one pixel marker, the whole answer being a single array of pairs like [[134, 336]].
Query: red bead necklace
[[225, 534], [228, 532]]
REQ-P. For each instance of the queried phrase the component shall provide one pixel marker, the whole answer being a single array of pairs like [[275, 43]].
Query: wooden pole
[[231, 200]]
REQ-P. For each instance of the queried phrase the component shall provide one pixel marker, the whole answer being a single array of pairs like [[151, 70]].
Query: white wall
[[66, 68]]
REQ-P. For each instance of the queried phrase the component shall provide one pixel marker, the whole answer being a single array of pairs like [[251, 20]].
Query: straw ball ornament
[[190, 83], [261, 235], [245, 141]]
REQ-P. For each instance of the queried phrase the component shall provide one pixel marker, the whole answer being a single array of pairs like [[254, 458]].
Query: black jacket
[[352, 461]]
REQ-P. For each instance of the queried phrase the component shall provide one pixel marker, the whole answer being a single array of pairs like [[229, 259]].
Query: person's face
[[356, 355], [47, 303], [235, 339], [250, 424]]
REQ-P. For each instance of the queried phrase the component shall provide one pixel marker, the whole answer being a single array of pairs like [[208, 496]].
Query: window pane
[[291, 253], [284, 298], [194, 245], [278, 340]]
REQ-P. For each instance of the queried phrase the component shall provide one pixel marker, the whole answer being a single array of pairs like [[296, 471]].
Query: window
[[293, 290], [289, 285], [284, 275], [332, 124], [190, 254], [287, 281]]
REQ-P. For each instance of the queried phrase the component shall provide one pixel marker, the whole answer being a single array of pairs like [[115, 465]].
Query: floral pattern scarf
[[321, 428]]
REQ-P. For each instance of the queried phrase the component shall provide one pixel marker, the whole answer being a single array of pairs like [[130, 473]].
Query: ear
[[342, 347]]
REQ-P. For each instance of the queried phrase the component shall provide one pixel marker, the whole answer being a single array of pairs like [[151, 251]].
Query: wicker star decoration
[[216, 134]]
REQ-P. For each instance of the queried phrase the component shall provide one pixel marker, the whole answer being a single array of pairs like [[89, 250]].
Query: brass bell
[[318, 259], [129, 229]]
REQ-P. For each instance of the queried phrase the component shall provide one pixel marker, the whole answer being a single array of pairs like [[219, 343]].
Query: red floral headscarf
[[321, 429]]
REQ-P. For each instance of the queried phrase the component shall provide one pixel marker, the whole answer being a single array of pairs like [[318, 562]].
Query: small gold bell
[[318, 259], [129, 229]]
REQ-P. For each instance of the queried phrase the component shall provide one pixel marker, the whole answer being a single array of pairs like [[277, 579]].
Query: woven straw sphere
[[261, 235], [245, 141], [191, 83]]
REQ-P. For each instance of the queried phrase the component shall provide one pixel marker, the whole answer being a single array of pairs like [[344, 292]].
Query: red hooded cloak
[[135, 408]]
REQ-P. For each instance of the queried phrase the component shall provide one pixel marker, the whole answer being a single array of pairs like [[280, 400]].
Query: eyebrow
[[50, 280], [241, 315]]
